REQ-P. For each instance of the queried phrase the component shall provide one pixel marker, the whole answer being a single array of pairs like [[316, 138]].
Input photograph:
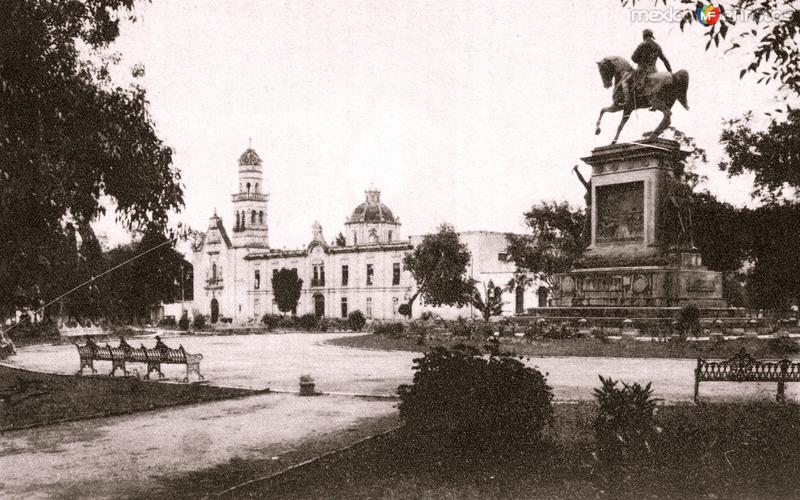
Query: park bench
[[744, 368], [152, 357]]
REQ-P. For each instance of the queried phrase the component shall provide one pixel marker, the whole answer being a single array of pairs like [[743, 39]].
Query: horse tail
[[681, 87]]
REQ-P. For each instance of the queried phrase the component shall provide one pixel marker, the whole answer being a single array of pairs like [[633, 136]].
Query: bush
[[271, 321], [199, 322], [183, 324], [460, 400], [463, 329], [287, 322], [168, 322], [484, 329], [356, 320], [308, 321], [624, 424], [404, 310], [689, 319], [391, 328], [783, 346]]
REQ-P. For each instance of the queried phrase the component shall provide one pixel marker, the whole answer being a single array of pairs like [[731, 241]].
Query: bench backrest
[[744, 368]]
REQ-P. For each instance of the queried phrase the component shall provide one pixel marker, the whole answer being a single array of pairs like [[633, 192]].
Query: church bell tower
[[250, 204]]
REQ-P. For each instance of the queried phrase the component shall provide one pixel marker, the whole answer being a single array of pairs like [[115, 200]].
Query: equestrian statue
[[643, 87]]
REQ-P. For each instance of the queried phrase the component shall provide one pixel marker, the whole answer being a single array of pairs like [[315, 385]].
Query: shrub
[[426, 315], [183, 324], [199, 322], [323, 324], [287, 321], [168, 321], [271, 321], [308, 321], [783, 346], [624, 424], [483, 329], [356, 320], [463, 329], [404, 310], [418, 329], [689, 319], [390, 328], [462, 401]]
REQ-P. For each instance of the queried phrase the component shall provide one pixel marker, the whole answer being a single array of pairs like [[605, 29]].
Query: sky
[[462, 111]]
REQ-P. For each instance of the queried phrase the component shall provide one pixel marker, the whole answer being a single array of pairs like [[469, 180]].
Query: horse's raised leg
[[663, 124], [626, 114], [608, 109]]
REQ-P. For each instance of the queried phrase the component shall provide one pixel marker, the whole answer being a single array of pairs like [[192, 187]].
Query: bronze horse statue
[[661, 91]]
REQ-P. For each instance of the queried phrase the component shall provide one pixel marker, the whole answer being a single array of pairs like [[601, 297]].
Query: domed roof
[[250, 158], [372, 210]]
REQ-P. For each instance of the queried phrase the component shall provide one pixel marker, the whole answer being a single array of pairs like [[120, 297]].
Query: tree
[[490, 303], [70, 138], [151, 277], [439, 266], [774, 280], [555, 241], [287, 286], [770, 155]]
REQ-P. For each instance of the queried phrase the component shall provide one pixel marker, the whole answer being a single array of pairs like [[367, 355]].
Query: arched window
[[389, 236], [257, 191], [253, 217], [248, 188], [260, 216], [214, 271], [373, 236]]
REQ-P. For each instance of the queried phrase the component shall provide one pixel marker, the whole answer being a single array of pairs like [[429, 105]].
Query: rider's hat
[[648, 33]]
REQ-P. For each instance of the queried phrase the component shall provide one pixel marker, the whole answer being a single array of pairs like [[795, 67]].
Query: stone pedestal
[[627, 264]]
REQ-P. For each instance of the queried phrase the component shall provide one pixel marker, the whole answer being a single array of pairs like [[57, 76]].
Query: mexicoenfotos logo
[[707, 14]]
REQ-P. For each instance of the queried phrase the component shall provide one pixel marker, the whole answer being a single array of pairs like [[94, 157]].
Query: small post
[[697, 381], [781, 396]]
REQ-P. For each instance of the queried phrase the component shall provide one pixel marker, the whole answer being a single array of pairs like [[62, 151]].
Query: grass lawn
[[709, 451], [28, 398], [758, 348]]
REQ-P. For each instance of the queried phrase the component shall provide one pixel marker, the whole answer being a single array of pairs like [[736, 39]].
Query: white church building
[[233, 268]]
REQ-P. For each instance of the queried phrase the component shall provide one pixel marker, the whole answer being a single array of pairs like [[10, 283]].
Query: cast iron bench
[[744, 368], [124, 353]]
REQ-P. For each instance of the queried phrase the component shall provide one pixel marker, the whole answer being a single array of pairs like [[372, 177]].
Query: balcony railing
[[318, 282], [213, 283], [249, 197]]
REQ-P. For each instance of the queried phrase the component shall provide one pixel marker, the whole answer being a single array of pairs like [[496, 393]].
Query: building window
[[248, 188], [502, 257], [395, 305], [369, 307], [253, 217], [345, 275], [257, 191], [344, 307], [257, 279], [370, 274], [274, 274], [396, 273], [260, 216], [373, 236], [355, 238], [256, 307], [389, 236], [318, 278]]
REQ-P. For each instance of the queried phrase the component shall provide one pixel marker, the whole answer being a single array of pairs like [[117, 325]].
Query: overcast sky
[[459, 111]]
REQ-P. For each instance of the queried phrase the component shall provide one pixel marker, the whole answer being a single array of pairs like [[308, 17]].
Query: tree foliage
[[490, 303], [69, 138], [439, 266], [771, 155], [555, 241], [287, 286]]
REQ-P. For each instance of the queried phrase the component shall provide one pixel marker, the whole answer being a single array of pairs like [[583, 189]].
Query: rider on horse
[[645, 56]]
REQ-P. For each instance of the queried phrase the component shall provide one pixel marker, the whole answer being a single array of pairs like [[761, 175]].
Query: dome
[[250, 158], [372, 210]]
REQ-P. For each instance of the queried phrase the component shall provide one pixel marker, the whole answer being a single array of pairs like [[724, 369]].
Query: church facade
[[233, 269]]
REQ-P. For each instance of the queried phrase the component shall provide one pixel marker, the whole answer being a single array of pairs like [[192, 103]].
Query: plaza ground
[[139, 453]]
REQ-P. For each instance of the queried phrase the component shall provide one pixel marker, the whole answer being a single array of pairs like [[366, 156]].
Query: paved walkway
[[277, 361], [113, 457]]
